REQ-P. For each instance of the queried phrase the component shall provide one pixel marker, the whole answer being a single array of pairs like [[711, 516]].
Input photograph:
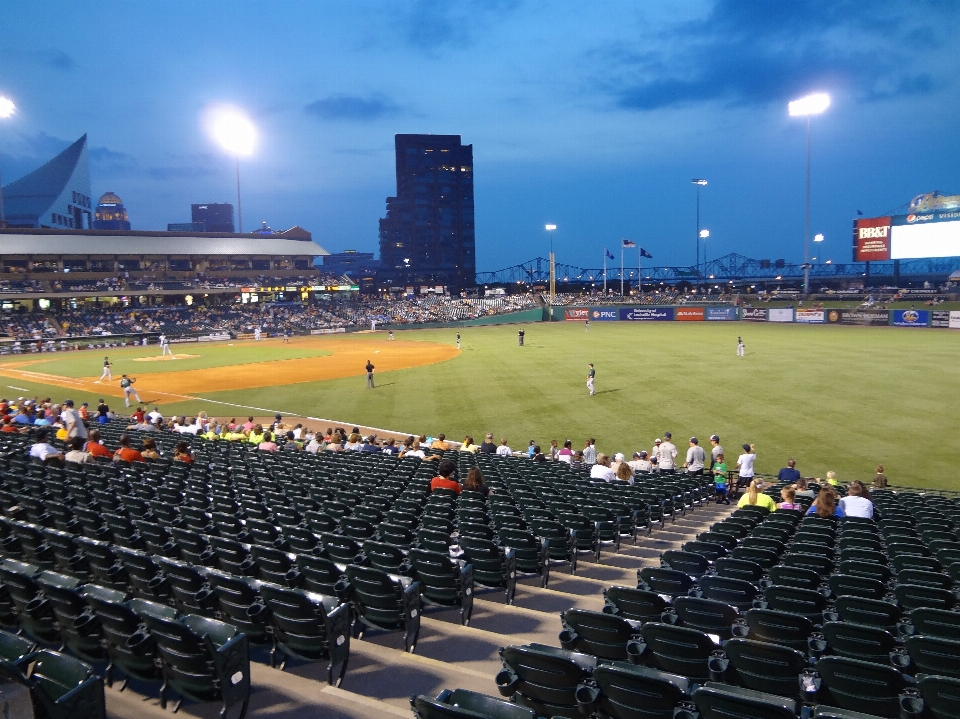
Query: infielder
[[256, 333], [590, 377], [165, 347], [126, 383], [107, 374]]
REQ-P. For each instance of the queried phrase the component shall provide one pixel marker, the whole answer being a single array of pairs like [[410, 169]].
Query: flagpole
[[639, 270], [604, 271], [621, 268]]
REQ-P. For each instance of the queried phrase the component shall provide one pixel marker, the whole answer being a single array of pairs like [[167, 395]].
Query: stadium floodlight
[[549, 227], [232, 129], [704, 234], [808, 106], [7, 108], [818, 238]]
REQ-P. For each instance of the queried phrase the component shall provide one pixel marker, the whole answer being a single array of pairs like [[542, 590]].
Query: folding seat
[[806, 602], [465, 704], [860, 542], [80, 631], [12, 648], [63, 687], [739, 569], [869, 612], [232, 556], [494, 567], [67, 555], [941, 696], [772, 545], [444, 582], [858, 641], [668, 582], [105, 566], [189, 588], [560, 541], [193, 547], [63, 517], [732, 529], [387, 557], [735, 592], [936, 623], [586, 534], [396, 534], [768, 625], [33, 546], [544, 678], [915, 561], [857, 586], [202, 659], [146, 579], [861, 686], [934, 655], [764, 557], [357, 529], [678, 650], [474, 529], [91, 523], [130, 649], [35, 616], [819, 563], [934, 578], [811, 543], [814, 523], [123, 531], [532, 552], [603, 635], [726, 541], [386, 602], [695, 565], [606, 524], [771, 531], [240, 604], [710, 551], [795, 577], [635, 604], [156, 538], [721, 701], [273, 565], [264, 533], [619, 690], [435, 540], [913, 596], [706, 615], [896, 549], [761, 666], [197, 520]]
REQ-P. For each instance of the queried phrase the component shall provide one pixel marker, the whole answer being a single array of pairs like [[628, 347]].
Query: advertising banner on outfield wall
[[604, 314], [809, 316], [780, 314], [753, 314], [689, 314], [721, 314], [911, 318], [940, 318], [954, 320], [576, 314], [646, 314], [833, 317], [872, 318]]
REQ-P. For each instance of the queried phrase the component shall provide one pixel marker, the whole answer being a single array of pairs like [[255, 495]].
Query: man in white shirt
[[72, 422], [42, 450], [640, 463], [745, 466], [855, 504], [716, 450], [155, 416], [695, 458], [601, 470], [666, 454], [503, 450]]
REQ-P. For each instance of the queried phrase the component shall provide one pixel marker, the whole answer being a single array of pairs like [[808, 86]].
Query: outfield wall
[[942, 319]]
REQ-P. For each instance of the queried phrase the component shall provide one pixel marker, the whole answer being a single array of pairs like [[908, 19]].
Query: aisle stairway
[[382, 677]]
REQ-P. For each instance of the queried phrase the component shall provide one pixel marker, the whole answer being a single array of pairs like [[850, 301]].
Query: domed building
[[110, 213]]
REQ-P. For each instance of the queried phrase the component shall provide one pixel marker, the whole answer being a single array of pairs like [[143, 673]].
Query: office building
[[214, 216], [350, 262], [56, 195], [110, 213], [427, 237]]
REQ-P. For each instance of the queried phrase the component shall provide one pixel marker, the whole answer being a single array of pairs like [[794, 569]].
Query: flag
[[608, 253], [628, 244], [859, 213], [644, 253]]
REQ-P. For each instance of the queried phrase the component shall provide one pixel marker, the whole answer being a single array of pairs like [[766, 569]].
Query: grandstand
[[345, 570]]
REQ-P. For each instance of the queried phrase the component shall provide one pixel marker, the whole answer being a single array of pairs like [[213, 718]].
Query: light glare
[[233, 130], [704, 234], [549, 227], [818, 238], [810, 105], [7, 107]]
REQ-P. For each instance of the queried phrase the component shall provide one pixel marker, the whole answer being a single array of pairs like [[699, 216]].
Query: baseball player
[[126, 384], [165, 347], [256, 333], [107, 374], [741, 350], [458, 340], [590, 377]]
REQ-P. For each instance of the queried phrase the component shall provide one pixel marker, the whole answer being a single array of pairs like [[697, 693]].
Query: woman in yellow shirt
[[753, 496]]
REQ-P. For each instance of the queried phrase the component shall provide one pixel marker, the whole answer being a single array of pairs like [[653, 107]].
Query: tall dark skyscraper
[[215, 216], [427, 237]]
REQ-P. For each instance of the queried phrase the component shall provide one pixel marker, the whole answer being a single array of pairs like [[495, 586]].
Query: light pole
[[7, 108], [553, 267], [807, 107], [699, 183], [237, 135], [702, 235]]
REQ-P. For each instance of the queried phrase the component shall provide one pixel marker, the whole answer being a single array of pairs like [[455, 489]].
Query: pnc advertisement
[[604, 314]]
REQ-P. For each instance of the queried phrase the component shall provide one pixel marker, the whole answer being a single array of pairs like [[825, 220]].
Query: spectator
[[855, 504], [440, 443], [803, 490], [667, 455], [880, 479], [267, 445], [44, 451], [790, 473], [474, 482], [538, 456], [72, 421], [149, 450], [696, 458], [745, 464], [601, 470], [721, 479], [825, 505], [390, 447], [487, 446], [77, 454], [640, 464], [469, 446], [125, 452], [95, 447], [370, 445], [503, 450], [577, 461], [755, 497], [442, 480], [565, 454], [291, 445], [789, 496], [590, 452], [832, 478], [554, 450], [625, 473], [182, 453], [531, 449]]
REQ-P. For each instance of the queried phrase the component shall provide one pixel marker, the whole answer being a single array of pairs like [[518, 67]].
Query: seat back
[[744, 569], [768, 625], [443, 581], [806, 602], [935, 655], [633, 692], [679, 650], [639, 605], [543, 678], [914, 596], [861, 686], [736, 592], [318, 574], [465, 704], [706, 615], [856, 641], [719, 701], [763, 666], [936, 623], [871, 612], [941, 696], [664, 581], [65, 687], [696, 565], [602, 635]]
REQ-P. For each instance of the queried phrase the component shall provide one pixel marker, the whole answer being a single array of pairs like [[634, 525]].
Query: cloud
[[432, 25], [754, 53], [59, 60], [352, 108]]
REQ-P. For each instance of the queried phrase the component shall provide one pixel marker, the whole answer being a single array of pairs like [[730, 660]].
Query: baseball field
[[835, 398]]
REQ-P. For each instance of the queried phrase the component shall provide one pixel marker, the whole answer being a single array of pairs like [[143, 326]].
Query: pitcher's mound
[[163, 359]]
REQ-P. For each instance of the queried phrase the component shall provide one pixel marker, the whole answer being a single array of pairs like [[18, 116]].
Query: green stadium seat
[[384, 601], [941, 695], [464, 704], [743, 569], [706, 615], [544, 679], [623, 691], [63, 687], [914, 596], [240, 605], [721, 701], [444, 582], [603, 635], [786, 576], [494, 567], [735, 592], [869, 612], [668, 582], [695, 565], [860, 686], [934, 655], [638, 605], [763, 666], [857, 641], [768, 625], [678, 650]]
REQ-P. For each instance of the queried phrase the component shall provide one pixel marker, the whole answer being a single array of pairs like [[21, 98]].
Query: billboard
[[833, 317], [809, 316], [604, 314], [753, 314], [576, 314], [872, 318], [911, 318], [721, 313], [871, 239], [646, 314], [780, 314], [945, 318], [689, 314]]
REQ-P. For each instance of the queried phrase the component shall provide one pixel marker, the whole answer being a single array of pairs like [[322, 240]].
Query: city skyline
[[593, 118]]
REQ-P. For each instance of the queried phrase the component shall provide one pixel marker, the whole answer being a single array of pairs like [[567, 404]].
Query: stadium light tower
[[550, 228], [236, 134], [699, 183], [807, 107], [7, 108]]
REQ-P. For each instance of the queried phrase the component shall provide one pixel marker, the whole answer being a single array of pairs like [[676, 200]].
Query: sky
[[594, 116]]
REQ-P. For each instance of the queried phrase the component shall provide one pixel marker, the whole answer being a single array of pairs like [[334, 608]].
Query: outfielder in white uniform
[[126, 383], [107, 374], [165, 347], [741, 350], [256, 333]]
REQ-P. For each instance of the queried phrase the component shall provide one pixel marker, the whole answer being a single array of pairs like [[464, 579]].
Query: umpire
[[369, 369]]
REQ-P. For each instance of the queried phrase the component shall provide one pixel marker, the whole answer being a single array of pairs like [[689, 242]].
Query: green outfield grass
[[840, 398], [89, 363]]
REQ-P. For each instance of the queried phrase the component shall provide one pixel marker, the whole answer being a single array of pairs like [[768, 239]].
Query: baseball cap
[[746, 447], [667, 435], [714, 438], [637, 454], [656, 441], [693, 440], [68, 403], [643, 453], [618, 457]]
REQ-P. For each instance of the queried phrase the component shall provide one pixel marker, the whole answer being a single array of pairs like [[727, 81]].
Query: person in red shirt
[[443, 481], [94, 447], [126, 452], [138, 415], [182, 453], [8, 425]]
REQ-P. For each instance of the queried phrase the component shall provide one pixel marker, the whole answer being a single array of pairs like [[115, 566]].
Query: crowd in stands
[[665, 297]]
